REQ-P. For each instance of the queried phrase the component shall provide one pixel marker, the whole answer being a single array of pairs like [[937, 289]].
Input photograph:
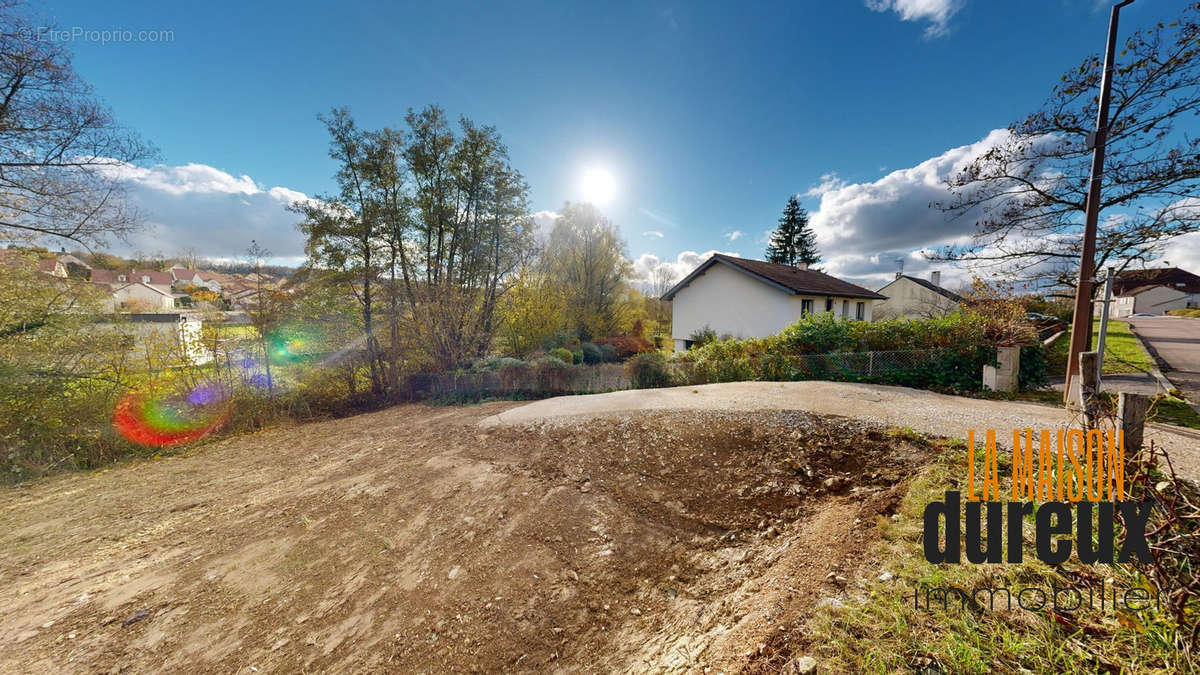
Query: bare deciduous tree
[[61, 151], [1026, 195]]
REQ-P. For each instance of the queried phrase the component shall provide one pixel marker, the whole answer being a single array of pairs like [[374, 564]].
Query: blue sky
[[708, 115]]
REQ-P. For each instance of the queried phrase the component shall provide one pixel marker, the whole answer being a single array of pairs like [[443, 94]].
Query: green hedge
[[962, 339]]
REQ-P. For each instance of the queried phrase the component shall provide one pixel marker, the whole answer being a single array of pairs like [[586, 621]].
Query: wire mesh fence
[[544, 378]]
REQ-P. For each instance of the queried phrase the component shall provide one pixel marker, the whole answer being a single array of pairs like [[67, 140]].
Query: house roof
[[68, 259], [102, 276], [1129, 280], [929, 285], [789, 279], [160, 291], [134, 275], [48, 265]]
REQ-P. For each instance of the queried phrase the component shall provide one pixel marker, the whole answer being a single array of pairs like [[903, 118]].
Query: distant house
[[751, 298], [213, 281], [1153, 291], [140, 297], [52, 267], [912, 298]]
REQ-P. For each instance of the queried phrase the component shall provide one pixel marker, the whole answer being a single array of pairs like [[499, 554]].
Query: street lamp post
[[1081, 323]]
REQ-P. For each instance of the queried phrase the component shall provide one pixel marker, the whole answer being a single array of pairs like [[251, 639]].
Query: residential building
[[1153, 291], [750, 298], [910, 297]]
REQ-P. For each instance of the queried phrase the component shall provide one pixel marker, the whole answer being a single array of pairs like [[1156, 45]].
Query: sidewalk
[[1130, 383]]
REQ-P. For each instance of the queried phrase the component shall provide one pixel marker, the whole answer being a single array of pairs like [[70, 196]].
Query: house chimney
[[899, 274], [935, 278]]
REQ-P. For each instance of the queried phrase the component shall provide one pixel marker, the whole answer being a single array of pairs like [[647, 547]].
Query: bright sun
[[597, 186]]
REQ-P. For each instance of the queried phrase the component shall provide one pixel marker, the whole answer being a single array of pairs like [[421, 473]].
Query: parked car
[[1143, 315]]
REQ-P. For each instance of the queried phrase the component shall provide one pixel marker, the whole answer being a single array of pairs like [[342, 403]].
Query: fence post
[[1089, 387], [1131, 416], [871, 363]]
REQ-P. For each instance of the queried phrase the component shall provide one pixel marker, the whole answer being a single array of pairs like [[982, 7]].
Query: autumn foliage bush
[[627, 345]]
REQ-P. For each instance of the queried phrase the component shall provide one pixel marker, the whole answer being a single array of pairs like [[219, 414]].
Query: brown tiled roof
[[131, 276], [789, 279], [102, 276], [1128, 280]]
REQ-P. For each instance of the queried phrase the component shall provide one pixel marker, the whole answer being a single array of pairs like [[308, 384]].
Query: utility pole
[[1104, 309], [1081, 322]]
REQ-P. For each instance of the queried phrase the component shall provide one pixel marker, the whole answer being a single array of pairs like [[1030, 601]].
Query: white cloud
[[829, 182], [202, 207], [645, 266], [937, 12], [733, 236], [653, 233], [863, 227]]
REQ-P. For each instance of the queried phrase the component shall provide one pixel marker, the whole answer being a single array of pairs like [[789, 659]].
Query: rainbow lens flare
[[293, 343], [172, 414]]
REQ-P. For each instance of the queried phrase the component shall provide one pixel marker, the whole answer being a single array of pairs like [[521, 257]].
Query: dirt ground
[[414, 540]]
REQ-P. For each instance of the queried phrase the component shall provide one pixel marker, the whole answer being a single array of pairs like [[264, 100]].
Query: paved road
[[1176, 341]]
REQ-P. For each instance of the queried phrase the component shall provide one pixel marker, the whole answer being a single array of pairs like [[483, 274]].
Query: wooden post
[[1131, 415], [1089, 387]]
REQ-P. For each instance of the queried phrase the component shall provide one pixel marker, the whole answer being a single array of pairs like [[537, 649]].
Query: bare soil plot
[[413, 540]]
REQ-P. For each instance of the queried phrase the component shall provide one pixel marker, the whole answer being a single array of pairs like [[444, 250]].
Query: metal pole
[[1081, 323], [1108, 282]]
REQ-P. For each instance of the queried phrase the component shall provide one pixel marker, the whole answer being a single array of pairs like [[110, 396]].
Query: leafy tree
[[532, 311], [61, 151], [585, 255], [1026, 194], [343, 229], [265, 306], [793, 242], [469, 232], [438, 220]]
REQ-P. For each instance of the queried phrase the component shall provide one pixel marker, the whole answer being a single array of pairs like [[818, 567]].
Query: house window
[[121, 278], [806, 307], [845, 309], [828, 304], [860, 311]]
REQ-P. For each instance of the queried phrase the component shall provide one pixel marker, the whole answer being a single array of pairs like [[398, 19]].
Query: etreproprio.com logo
[[101, 36]]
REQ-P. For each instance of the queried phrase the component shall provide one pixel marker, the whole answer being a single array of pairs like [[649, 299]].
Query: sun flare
[[598, 186]]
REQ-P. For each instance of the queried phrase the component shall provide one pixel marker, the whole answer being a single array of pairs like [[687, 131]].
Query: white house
[[141, 297], [751, 298], [913, 298], [1153, 291]]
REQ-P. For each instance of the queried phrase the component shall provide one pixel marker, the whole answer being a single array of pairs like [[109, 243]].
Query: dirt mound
[[409, 540]]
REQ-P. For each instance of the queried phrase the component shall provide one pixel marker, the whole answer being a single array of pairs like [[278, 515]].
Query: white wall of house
[[1159, 300], [140, 296], [737, 304], [1156, 300], [908, 299]]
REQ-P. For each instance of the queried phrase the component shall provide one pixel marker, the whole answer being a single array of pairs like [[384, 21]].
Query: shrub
[[627, 345], [591, 353], [576, 356], [552, 375], [562, 354], [823, 347], [609, 353], [703, 336], [649, 371]]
